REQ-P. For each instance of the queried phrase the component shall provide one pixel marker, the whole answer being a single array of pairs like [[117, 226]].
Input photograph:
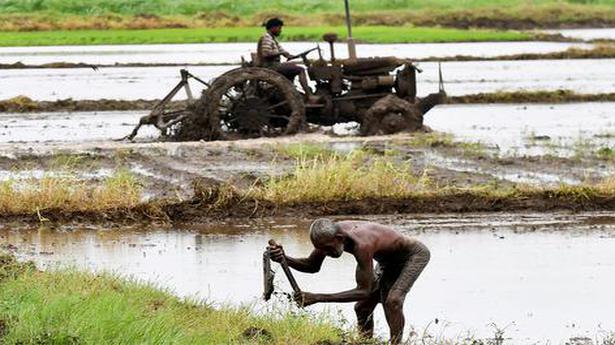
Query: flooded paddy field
[[542, 278], [543, 144], [461, 78], [231, 53]]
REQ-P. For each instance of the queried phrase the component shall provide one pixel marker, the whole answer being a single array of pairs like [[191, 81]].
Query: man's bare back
[[400, 261]]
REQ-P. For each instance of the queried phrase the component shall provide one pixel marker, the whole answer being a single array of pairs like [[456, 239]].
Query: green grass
[[71, 307], [606, 153], [360, 176], [340, 177], [241, 7], [374, 34]]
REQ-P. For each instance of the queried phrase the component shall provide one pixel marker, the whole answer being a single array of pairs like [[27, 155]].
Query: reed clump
[[340, 177], [68, 193]]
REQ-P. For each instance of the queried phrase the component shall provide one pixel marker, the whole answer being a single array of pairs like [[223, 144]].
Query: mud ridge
[[602, 51], [24, 104], [557, 96], [204, 210]]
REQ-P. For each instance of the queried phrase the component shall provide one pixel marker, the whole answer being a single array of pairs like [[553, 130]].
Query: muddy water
[[71, 127], [232, 52], [543, 277], [461, 78], [513, 127], [109, 83]]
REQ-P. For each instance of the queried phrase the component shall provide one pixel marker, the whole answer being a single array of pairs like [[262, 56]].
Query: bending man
[[401, 260]]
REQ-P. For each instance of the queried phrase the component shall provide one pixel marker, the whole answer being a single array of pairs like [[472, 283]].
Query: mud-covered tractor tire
[[390, 115], [275, 107]]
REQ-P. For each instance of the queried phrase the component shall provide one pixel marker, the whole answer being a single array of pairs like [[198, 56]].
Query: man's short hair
[[273, 22], [322, 228]]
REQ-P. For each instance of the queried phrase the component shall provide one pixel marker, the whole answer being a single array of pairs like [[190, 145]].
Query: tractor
[[378, 93]]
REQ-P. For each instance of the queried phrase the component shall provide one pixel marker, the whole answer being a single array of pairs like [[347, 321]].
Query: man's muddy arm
[[311, 264]]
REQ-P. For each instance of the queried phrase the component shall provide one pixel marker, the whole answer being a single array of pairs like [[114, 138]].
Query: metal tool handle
[[286, 269]]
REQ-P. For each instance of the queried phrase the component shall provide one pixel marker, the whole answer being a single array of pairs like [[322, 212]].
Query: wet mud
[[184, 187], [26, 105]]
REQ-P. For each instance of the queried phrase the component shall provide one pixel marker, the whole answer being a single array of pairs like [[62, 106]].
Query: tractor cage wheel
[[252, 101]]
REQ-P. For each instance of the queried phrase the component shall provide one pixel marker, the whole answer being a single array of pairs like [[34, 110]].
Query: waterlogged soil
[[542, 278], [537, 144]]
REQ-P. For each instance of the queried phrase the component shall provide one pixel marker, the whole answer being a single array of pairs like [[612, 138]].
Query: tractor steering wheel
[[303, 56]]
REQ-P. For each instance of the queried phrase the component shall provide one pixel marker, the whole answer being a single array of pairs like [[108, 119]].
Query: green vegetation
[[340, 177], [69, 307], [374, 34], [36, 15], [606, 153], [189, 7], [67, 192], [362, 177]]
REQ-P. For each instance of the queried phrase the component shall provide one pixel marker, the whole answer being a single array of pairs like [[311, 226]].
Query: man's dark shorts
[[401, 277], [288, 69]]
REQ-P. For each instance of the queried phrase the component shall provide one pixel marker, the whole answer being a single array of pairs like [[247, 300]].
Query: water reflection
[[547, 276]]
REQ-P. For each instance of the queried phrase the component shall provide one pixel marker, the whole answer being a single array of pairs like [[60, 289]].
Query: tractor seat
[[368, 66]]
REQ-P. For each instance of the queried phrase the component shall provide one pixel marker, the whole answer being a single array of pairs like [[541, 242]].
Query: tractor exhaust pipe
[[352, 49]]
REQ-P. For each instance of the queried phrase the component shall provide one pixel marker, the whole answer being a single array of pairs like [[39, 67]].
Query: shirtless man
[[401, 260]]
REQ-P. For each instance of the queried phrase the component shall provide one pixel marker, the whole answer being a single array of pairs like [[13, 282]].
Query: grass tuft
[[340, 177], [118, 191]]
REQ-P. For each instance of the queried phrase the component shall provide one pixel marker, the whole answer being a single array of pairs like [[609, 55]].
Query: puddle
[[24, 176], [231, 53], [71, 127], [546, 277], [501, 172], [510, 126]]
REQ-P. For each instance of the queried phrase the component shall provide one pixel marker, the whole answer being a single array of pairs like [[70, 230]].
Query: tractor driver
[[269, 53]]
